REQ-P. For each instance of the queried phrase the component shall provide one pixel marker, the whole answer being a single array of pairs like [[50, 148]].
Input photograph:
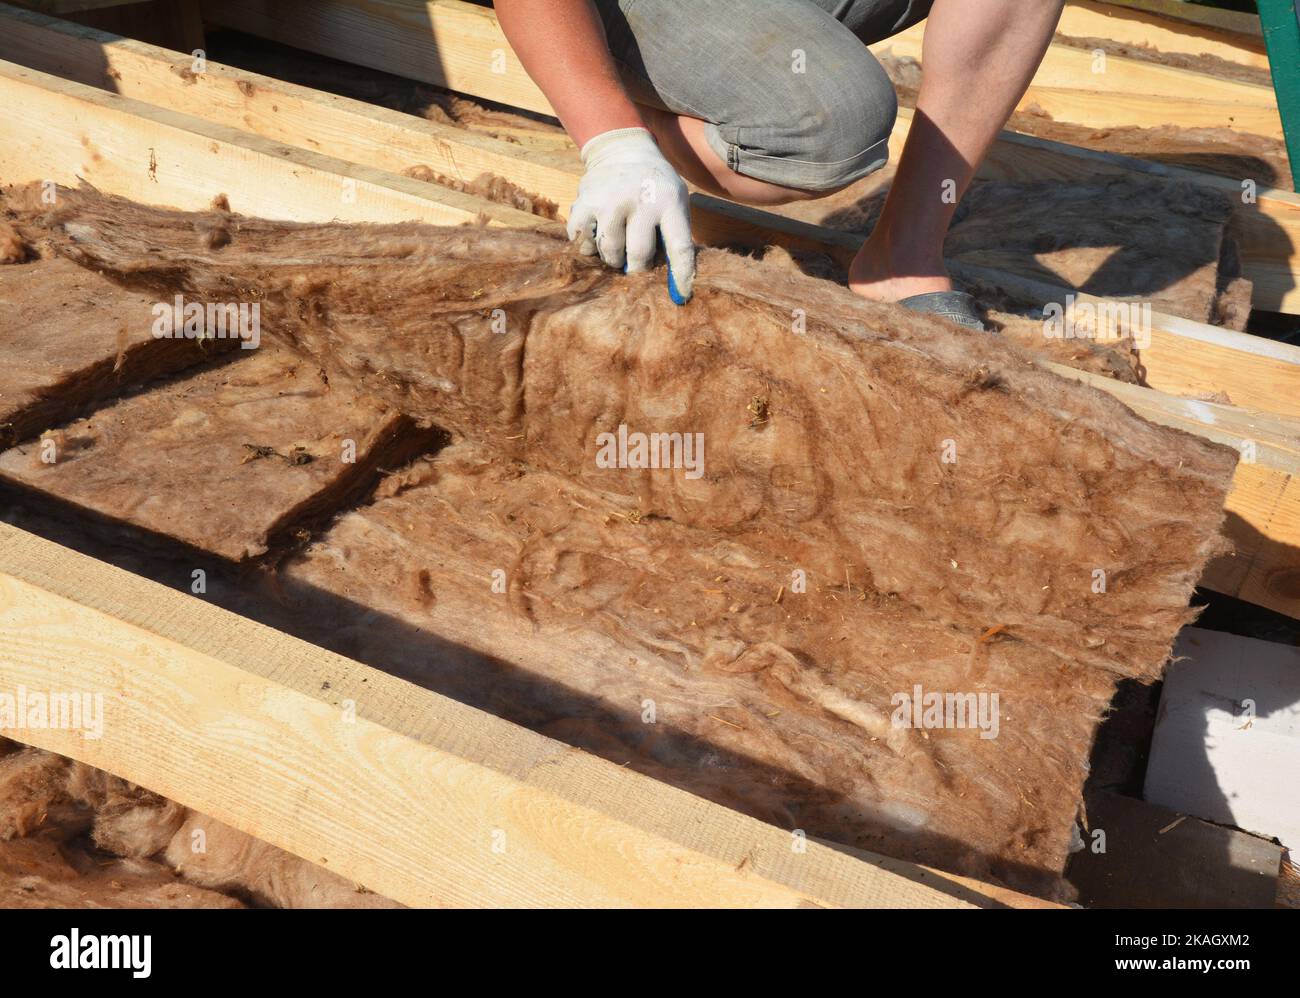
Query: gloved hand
[[629, 191]]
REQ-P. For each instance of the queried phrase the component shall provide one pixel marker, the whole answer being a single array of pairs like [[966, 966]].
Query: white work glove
[[629, 191]]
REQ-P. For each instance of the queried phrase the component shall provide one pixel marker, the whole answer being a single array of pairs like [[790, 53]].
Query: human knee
[[833, 128]]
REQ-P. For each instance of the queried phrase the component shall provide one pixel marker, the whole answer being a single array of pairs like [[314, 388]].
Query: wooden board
[[1181, 11], [446, 42], [413, 795], [466, 45], [176, 23], [1134, 26], [1073, 85], [61, 131]]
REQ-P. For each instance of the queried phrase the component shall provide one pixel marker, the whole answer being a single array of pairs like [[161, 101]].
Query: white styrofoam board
[[1227, 739]]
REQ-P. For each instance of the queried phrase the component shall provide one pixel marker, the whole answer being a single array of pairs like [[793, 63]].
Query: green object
[[1282, 36]]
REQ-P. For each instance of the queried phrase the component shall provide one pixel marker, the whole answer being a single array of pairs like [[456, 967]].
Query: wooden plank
[[283, 112], [63, 131], [1072, 85], [413, 795], [175, 23], [409, 37], [1264, 526], [1131, 26], [1192, 13], [445, 42]]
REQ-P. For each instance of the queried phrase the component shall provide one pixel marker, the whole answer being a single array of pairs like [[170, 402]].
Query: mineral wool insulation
[[884, 508]]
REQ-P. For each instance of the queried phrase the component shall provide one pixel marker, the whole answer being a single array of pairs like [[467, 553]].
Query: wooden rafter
[[1181, 11], [1145, 29], [1076, 85], [393, 35]]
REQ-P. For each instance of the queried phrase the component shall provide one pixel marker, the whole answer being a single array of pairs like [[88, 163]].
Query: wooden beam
[[1132, 26], [413, 795], [1073, 85], [1193, 13], [175, 23], [413, 38], [445, 42], [61, 131]]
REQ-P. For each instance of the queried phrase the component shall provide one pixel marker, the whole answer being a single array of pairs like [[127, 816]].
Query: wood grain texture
[[1183, 12], [1131, 26], [1072, 85], [445, 42], [413, 795], [62, 131]]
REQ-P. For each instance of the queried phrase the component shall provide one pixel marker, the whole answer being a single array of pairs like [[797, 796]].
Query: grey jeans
[[788, 89]]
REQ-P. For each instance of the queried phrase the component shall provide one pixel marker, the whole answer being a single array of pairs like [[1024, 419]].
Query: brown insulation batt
[[1156, 241], [233, 459], [698, 660], [826, 418], [70, 338], [950, 503], [74, 836], [1006, 314]]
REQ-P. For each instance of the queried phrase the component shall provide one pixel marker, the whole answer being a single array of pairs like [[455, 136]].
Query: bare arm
[[978, 59], [562, 45]]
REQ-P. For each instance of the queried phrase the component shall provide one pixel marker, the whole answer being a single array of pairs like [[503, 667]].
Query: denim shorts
[[787, 88]]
